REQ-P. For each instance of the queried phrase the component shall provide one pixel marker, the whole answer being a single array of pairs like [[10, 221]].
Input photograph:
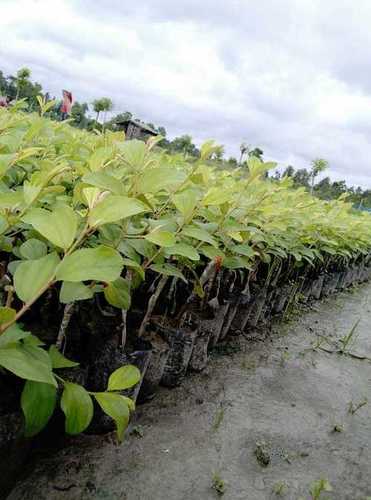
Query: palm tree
[[22, 78], [318, 166], [103, 104], [244, 148]]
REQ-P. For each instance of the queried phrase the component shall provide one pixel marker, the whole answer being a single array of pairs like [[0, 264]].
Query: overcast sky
[[290, 76]]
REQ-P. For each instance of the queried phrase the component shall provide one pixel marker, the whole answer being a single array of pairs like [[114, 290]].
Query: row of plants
[[118, 257]]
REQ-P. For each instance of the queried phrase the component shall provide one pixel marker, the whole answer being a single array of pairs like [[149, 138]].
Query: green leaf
[[31, 276], [117, 408], [33, 249], [143, 247], [134, 265], [117, 293], [12, 334], [160, 178], [38, 402], [186, 202], [243, 249], [161, 238], [211, 252], [12, 266], [6, 162], [123, 378], [199, 234], [101, 264], [27, 362], [114, 208], [104, 181], [71, 292], [134, 152], [77, 405], [58, 360], [216, 196], [184, 250], [58, 226], [3, 224], [100, 157], [11, 200], [7, 314], [168, 270], [31, 191], [236, 263]]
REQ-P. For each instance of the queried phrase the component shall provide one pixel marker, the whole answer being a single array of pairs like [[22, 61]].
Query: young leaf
[[101, 264], [58, 226], [168, 270], [123, 378], [12, 334], [31, 276], [243, 249], [7, 314], [38, 402], [6, 161], [58, 360], [161, 238], [117, 408], [184, 250], [216, 196], [26, 362], [134, 152], [71, 292], [186, 202], [77, 406], [236, 262], [134, 265], [160, 178], [117, 293], [211, 252], [33, 249], [199, 234], [104, 181], [114, 208]]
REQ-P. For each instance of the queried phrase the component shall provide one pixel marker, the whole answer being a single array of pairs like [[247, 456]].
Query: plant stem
[[67, 315], [124, 312], [151, 305]]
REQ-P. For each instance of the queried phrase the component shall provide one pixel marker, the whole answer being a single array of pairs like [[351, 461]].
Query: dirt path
[[280, 391]]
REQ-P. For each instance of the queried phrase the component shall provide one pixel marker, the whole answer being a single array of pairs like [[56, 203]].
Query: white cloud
[[290, 77]]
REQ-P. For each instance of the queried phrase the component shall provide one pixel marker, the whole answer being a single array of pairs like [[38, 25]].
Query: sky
[[292, 77]]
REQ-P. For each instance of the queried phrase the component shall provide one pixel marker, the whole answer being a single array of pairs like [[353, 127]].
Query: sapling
[[218, 484], [318, 487], [353, 408]]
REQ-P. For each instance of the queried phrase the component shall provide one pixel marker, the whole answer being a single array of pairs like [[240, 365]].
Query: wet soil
[[280, 395]]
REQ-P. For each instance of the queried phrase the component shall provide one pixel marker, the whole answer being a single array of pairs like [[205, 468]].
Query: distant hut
[[135, 129]]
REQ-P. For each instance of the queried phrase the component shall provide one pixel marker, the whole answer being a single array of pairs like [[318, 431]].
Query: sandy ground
[[280, 391]]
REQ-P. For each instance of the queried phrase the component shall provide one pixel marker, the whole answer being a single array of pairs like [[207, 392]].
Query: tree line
[[20, 86]]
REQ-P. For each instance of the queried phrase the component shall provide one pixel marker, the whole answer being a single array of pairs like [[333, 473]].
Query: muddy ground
[[279, 391]]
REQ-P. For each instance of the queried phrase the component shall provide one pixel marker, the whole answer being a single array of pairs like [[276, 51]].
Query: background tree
[[218, 153], [78, 113], [112, 124], [232, 162], [184, 144], [22, 79], [103, 104], [244, 149], [318, 166], [256, 153], [302, 177], [289, 171]]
